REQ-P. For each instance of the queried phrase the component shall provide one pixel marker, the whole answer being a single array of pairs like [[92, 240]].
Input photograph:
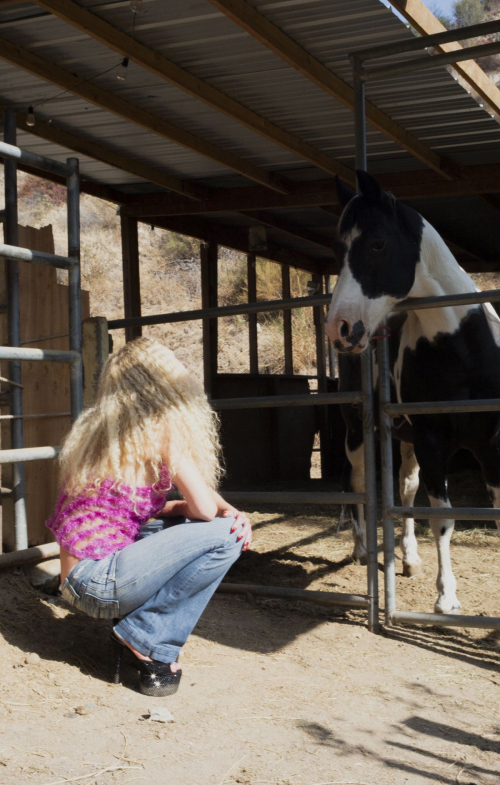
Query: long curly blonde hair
[[148, 410]]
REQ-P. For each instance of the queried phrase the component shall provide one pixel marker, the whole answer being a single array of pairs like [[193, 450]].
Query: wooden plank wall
[[44, 312]]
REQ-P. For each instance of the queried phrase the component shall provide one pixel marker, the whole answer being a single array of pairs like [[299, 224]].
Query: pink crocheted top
[[103, 520]]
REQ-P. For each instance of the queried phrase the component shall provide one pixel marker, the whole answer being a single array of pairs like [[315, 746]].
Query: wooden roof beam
[[426, 23], [98, 152], [102, 31], [257, 25], [88, 91], [319, 193]]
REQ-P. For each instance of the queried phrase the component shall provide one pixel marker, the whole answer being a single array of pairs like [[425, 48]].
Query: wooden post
[[287, 319], [95, 352], [131, 275], [252, 317], [321, 373], [209, 299]]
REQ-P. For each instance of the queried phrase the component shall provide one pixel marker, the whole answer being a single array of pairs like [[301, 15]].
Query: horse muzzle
[[347, 337]]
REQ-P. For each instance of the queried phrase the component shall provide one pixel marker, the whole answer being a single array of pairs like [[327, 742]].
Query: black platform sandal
[[155, 678]]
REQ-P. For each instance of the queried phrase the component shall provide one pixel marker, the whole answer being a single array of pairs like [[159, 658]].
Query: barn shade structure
[[235, 114], [227, 120]]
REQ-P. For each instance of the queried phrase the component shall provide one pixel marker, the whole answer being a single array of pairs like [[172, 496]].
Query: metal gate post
[[14, 334], [75, 295], [370, 488], [387, 490], [359, 116]]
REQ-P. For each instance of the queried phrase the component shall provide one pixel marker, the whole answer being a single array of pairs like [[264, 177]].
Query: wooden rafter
[[108, 156], [404, 185], [106, 192], [426, 23], [257, 25], [88, 91], [102, 31]]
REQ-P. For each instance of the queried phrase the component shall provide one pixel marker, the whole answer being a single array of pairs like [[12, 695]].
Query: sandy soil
[[272, 692]]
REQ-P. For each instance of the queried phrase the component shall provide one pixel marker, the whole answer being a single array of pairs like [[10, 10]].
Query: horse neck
[[438, 273]]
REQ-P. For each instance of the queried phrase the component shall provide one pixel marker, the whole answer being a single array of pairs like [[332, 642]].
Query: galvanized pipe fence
[[11, 251], [387, 410]]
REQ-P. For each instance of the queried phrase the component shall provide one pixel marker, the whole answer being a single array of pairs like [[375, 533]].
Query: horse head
[[379, 242]]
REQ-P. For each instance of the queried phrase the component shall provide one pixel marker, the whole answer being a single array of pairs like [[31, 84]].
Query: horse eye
[[378, 246]]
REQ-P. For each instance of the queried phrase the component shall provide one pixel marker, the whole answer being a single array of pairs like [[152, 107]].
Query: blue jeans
[[159, 585]]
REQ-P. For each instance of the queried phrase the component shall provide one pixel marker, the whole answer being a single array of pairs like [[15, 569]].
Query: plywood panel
[[44, 313]]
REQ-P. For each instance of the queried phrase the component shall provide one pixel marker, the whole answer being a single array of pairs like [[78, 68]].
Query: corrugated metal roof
[[429, 104]]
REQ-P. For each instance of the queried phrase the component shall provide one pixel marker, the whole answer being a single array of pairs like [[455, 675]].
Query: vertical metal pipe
[[331, 350], [370, 488], [75, 294], [367, 381], [14, 334], [387, 493], [359, 118]]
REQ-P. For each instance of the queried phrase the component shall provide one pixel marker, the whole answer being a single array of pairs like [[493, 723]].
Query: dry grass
[[170, 281]]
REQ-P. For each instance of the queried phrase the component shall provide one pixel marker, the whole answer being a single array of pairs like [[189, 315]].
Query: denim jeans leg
[[158, 625]]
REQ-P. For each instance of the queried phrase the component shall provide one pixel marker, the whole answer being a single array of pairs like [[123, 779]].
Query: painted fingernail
[[239, 538]]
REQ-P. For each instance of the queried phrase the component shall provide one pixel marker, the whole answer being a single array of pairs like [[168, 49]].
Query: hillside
[[170, 281]]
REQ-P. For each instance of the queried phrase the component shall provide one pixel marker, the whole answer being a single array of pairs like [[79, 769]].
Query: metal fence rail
[[386, 408], [11, 251], [276, 401]]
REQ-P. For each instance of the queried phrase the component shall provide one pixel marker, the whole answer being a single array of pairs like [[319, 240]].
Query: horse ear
[[368, 186], [344, 192]]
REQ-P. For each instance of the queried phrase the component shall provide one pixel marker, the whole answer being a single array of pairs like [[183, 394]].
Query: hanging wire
[[135, 7]]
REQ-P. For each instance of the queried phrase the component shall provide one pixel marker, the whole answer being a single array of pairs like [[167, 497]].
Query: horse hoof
[[454, 608], [361, 561], [410, 570]]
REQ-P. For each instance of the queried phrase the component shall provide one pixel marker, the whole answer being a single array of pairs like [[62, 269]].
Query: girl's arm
[[199, 503]]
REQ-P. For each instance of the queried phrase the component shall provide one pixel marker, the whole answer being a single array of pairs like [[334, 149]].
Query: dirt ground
[[272, 692]]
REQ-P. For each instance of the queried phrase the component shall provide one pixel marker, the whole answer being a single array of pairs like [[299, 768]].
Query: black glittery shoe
[[156, 678]]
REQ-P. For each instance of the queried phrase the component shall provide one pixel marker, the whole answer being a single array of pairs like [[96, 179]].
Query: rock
[[160, 715], [81, 710], [46, 575], [32, 659]]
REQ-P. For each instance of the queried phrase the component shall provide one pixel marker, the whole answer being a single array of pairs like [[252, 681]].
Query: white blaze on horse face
[[349, 305]]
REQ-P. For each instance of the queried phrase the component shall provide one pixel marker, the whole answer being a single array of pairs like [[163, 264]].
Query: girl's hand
[[242, 520]]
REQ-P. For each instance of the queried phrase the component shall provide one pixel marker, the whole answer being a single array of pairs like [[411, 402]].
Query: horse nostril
[[344, 329]]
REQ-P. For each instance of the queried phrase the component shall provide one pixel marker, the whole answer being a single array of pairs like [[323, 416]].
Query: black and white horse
[[388, 252]]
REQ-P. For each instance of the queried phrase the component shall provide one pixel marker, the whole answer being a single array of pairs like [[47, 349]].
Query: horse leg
[[432, 454], [489, 458], [408, 487], [355, 454]]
